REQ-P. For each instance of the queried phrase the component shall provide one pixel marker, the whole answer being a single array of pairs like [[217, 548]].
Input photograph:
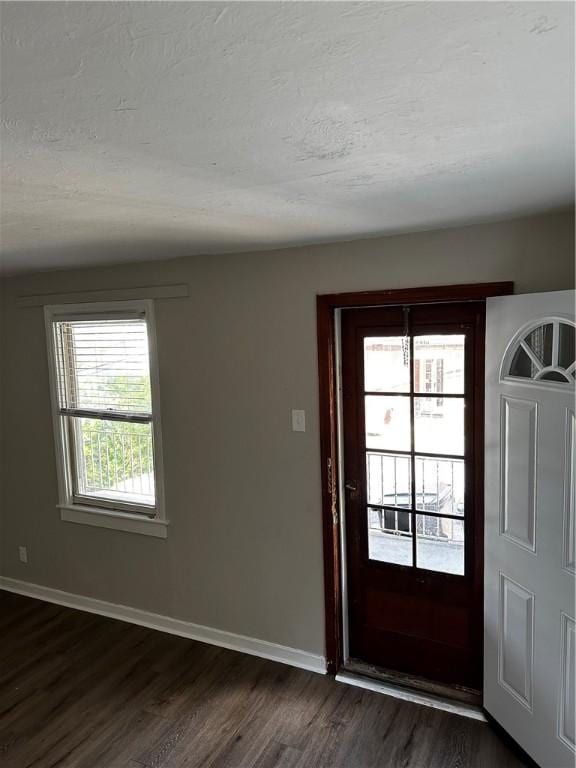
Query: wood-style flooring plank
[[83, 691]]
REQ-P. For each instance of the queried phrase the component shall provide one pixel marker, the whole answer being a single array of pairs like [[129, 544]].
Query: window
[[415, 465], [105, 401], [542, 353]]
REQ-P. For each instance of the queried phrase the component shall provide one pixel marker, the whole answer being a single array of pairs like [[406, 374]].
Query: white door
[[529, 636]]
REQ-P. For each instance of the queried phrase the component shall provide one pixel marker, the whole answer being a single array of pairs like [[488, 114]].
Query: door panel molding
[[567, 682], [569, 530], [516, 640], [518, 462]]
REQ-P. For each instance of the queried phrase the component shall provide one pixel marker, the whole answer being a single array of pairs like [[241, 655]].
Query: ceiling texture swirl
[[134, 131]]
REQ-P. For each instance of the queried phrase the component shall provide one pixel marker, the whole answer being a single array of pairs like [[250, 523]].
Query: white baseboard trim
[[398, 692], [262, 648]]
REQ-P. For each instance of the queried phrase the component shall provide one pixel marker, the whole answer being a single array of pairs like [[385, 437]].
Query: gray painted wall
[[244, 550]]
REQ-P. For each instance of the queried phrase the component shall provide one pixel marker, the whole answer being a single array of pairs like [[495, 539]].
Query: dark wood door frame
[[326, 334]]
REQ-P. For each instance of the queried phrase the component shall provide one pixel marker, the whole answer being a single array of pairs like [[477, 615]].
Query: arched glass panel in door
[[542, 353]]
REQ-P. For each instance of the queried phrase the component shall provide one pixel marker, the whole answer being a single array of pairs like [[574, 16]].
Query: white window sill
[[119, 521]]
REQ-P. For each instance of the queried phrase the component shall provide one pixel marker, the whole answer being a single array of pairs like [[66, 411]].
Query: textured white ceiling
[[151, 130]]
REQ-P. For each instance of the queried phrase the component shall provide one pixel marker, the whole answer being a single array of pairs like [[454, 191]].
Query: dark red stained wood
[[409, 619], [326, 304], [434, 294], [331, 531], [478, 487]]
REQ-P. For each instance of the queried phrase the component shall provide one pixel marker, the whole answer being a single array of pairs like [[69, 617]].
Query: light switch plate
[[298, 421]]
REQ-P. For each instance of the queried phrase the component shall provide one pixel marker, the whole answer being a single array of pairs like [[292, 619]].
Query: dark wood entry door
[[413, 381]]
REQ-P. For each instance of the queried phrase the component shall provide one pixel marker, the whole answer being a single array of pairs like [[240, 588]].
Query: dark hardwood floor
[[82, 691]]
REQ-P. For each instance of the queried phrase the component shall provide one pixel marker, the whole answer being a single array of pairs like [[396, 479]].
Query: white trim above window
[[106, 412]]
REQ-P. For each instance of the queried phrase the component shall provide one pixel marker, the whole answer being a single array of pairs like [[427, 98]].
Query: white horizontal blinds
[[103, 367], [103, 382]]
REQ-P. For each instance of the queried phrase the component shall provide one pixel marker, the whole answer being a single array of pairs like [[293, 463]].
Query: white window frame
[[150, 521]]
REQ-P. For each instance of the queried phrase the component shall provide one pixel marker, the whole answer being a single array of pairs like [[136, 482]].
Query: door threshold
[[458, 693], [458, 701]]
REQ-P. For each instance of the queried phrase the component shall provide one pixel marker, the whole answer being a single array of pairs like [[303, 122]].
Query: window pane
[[439, 363], [556, 376], [386, 364], [103, 365], [440, 485], [439, 425], [388, 480], [522, 366], [566, 345], [440, 544], [540, 342], [114, 460], [389, 536], [388, 422]]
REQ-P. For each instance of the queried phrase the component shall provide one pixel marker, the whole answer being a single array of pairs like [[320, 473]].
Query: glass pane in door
[[387, 422], [414, 416], [440, 544], [440, 485], [439, 363], [566, 345], [540, 341], [386, 364], [388, 480], [389, 536], [439, 425]]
